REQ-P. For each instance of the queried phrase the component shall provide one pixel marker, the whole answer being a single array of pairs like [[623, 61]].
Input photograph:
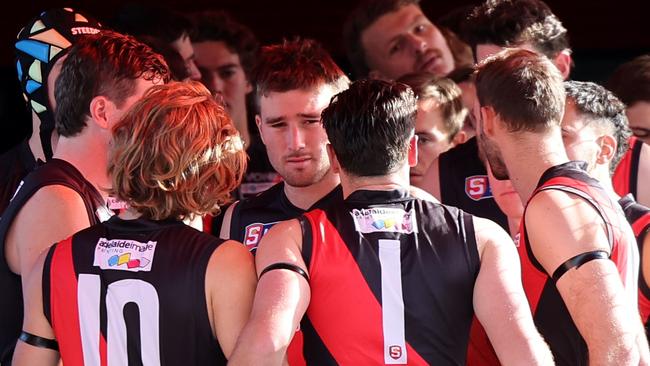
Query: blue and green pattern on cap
[[39, 45]]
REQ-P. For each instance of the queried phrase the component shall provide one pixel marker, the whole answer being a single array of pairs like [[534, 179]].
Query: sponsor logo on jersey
[[477, 187], [124, 255], [254, 233], [395, 352], [388, 220]]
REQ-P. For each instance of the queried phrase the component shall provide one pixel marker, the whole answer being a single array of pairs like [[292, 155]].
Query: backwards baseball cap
[[39, 45]]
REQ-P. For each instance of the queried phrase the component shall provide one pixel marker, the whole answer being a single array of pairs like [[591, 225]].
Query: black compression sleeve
[[578, 261], [37, 341], [282, 265]]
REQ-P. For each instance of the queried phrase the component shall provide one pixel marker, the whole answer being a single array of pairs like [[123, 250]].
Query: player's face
[[405, 41], [184, 48], [433, 139], [579, 136], [638, 115], [489, 147], [222, 73], [141, 87], [290, 127], [505, 196]]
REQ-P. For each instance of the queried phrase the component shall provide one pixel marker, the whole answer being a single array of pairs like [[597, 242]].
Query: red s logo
[[395, 352], [477, 187]]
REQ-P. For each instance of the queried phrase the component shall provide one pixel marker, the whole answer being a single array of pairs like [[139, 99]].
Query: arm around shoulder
[[500, 303], [35, 322], [281, 299], [230, 283]]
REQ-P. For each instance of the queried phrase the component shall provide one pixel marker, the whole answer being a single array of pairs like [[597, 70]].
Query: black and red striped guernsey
[[131, 292], [392, 280], [639, 217], [54, 172], [549, 311], [626, 175]]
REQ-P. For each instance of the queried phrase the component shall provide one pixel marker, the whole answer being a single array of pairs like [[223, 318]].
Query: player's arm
[[431, 180], [230, 286], [562, 227], [281, 298], [35, 323], [500, 303], [224, 233], [53, 213]]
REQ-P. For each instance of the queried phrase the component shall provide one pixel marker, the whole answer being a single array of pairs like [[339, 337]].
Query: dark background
[[603, 34]]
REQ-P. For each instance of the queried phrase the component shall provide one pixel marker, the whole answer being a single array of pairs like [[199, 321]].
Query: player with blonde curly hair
[[143, 287]]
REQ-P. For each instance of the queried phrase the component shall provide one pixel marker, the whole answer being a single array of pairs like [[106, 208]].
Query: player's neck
[[601, 173], [388, 182], [305, 197], [530, 157], [89, 157]]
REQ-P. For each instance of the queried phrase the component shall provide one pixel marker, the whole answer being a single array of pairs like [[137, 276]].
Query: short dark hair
[[105, 63], [445, 93], [369, 126], [174, 60], [220, 26], [601, 106], [524, 88], [297, 64], [366, 13], [151, 20], [510, 23], [631, 81]]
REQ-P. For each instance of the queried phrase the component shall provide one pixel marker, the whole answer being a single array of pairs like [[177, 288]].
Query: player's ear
[[607, 150], [413, 151], [334, 163], [258, 122]]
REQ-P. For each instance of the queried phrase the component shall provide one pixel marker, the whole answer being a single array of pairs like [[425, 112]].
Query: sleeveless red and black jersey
[[253, 217], [639, 217], [54, 172], [464, 183], [549, 311], [392, 281], [626, 175], [131, 292]]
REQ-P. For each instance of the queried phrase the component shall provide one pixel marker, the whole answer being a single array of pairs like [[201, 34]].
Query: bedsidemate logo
[[477, 187], [124, 255], [254, 233], [388, 220]]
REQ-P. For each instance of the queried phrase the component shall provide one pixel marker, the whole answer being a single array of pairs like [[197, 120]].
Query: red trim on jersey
[[63, 304], [103, 353], [295, 355], [480, 351], [621, 178], [641, 224], [361, 340], [532, 278], [644, 306], [207, 224]]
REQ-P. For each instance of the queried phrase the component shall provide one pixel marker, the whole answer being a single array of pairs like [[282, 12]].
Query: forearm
[[259, 347], [29, 355]]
